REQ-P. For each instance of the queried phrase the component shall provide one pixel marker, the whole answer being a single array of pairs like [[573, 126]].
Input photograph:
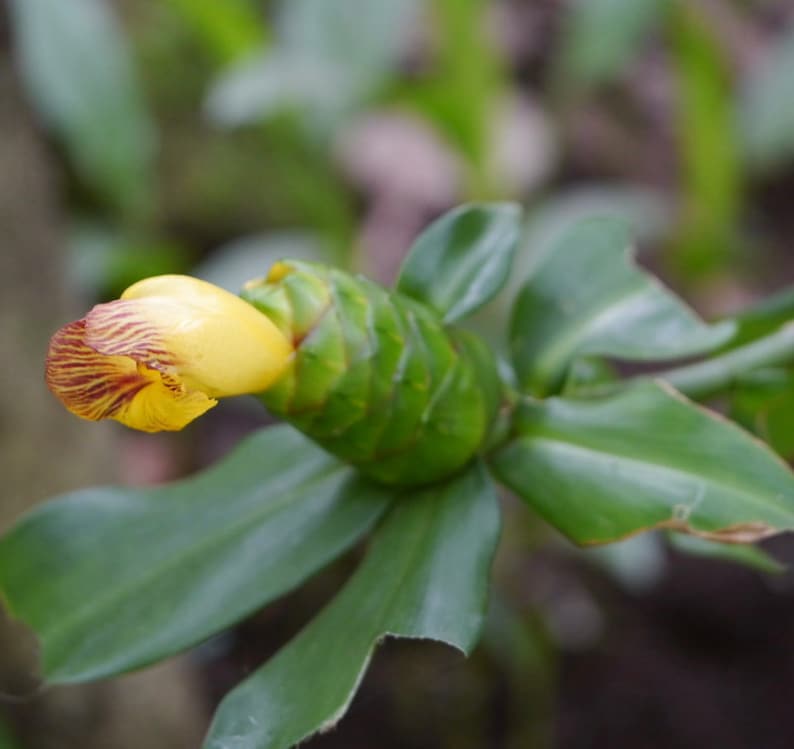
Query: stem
[[709, 377]]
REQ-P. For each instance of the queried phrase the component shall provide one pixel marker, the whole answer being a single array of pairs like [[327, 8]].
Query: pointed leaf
[[601, 469], [588, 297], [746, 555], [111, 579], [463, 259], [425, 576]]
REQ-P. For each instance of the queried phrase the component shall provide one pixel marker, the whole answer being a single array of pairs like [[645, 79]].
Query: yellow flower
[[160, 356]]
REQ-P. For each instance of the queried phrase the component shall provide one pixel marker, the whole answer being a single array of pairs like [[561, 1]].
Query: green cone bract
[[376, 379]]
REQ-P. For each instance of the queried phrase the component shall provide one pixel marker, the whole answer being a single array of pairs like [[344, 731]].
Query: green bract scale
[[376, 378]]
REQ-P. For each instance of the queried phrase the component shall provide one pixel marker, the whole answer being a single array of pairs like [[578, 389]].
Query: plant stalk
[[710, 377]]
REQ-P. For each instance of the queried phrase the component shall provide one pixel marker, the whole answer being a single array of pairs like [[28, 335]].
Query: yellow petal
[[97, 386], [164, 404], [221, 344], [158, 357]]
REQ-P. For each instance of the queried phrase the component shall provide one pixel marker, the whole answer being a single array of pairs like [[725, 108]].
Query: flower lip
[[161, 355], [130, 379]]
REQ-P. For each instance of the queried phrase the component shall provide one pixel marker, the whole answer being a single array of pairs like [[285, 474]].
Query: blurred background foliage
[[215, 137]]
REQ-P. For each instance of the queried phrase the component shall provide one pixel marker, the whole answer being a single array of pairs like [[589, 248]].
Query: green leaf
[[763, 402], [746, 555], [463, 259], [425, 576], [463, 88], [708, 142], [646, 211], [229, 30], [587, 296], [326, 59], [601, 469], [78, 73], [7, 741], [766, 107], [764, 318], [600, 37], [105, 261], [262, 86], [111, 579], [232, 264], [637, 563]]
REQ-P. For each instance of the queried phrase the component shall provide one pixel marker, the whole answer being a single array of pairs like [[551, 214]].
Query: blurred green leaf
[[463, 259], [77, 70], [230, 29], [726, 370], [425, 576], [647, 212], [588, 372], [746, 555], [111, 579], [587, 296], [104, 262], [236, 262], [7, 741], [637, 563], [460, 92], [516, 637], [764, 318], [708, 140], [326, 58], [260, 87], [366, 36], [766, 107], [601, 469], [763, 402], [600, 38]]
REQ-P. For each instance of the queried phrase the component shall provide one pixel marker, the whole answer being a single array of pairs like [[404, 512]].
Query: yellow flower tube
[[162, 354]]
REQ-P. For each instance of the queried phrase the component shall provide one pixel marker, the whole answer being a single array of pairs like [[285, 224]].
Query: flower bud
[[162, 354]]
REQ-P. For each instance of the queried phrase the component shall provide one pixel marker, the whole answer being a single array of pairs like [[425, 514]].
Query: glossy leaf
[[78, 73], [111, 579], [647, 212], [601, 469], [425, 576], [463, 259], [587, 296], [746, 555]]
